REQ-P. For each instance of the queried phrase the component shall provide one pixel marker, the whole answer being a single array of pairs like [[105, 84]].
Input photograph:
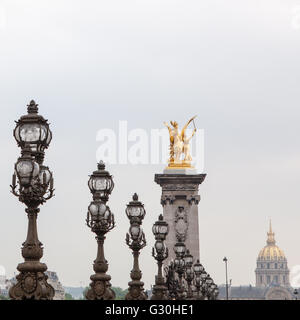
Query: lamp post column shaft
[[32, 236], [136, 286], [226, 279], [32, 248], [136, 272], [159, 273], [190, 292], [100, 264]]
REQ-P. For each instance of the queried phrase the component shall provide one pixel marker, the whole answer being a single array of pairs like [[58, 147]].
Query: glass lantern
[[33, 130], [101, 183], [188, 258], [99, 211], [45, 175], [203, 276], [216, 292], [179, 263], [198, 268], [135, 210], [189, 272], [179, 249], [160, 229], [209, 280], [197, 280], [213, 287], [135, 232], [26, 169], [159, 247]]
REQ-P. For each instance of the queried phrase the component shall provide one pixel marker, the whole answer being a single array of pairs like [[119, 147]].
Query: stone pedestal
[[180, 200]]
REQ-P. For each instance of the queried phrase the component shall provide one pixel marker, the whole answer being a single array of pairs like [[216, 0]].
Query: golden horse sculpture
[[179, 145]]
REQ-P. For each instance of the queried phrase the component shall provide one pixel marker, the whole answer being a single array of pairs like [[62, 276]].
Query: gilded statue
[[180, 155]]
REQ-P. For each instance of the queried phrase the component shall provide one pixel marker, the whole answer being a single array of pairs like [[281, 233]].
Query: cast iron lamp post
[[171, 281], [198, 269], [34, 182], [213, 292], [160, 230], [204, 285], [189, 273], [179, 265], [296, 294], [208, 282], [197, 284], [226, 275], [100, 220], [135, 240], [216, 293]]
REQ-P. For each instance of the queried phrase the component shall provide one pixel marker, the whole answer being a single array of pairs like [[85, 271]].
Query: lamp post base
[[159, 292], [31, 283], [100, 288], [136, 291]]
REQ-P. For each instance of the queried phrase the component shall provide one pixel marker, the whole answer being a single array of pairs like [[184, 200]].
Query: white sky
[[90, 64]]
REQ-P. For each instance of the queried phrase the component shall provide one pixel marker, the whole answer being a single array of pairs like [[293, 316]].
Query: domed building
[[271, 267], [272, 276]]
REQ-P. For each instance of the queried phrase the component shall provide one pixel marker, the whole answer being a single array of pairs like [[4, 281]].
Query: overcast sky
[[90, 64]]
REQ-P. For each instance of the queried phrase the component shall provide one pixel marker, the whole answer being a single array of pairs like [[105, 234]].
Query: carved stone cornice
[[179, 182]]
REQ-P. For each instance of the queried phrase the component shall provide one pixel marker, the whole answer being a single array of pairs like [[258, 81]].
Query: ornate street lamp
[[100, 220], [198, 269], [34, 182], [216, 293], [171, 281], [213, 292], [204, 286], [226, 275], [179, 264], [180, 249], [160, 230], [207, 283], [296, 294], [197, 284], [189, 273], [135, 240]]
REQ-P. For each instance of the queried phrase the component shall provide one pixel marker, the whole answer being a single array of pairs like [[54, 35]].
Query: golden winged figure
[[179, 145]]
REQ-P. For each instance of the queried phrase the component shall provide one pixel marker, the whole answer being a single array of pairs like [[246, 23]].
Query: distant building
[[4, 285], [272, 276], [75, 292], [55, 283], [274, 292], [271, 268]]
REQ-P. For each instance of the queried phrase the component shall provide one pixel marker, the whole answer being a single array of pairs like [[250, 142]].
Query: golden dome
[[271, 251]]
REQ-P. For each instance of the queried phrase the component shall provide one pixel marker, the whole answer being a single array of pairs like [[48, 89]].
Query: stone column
[[180, 209]]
